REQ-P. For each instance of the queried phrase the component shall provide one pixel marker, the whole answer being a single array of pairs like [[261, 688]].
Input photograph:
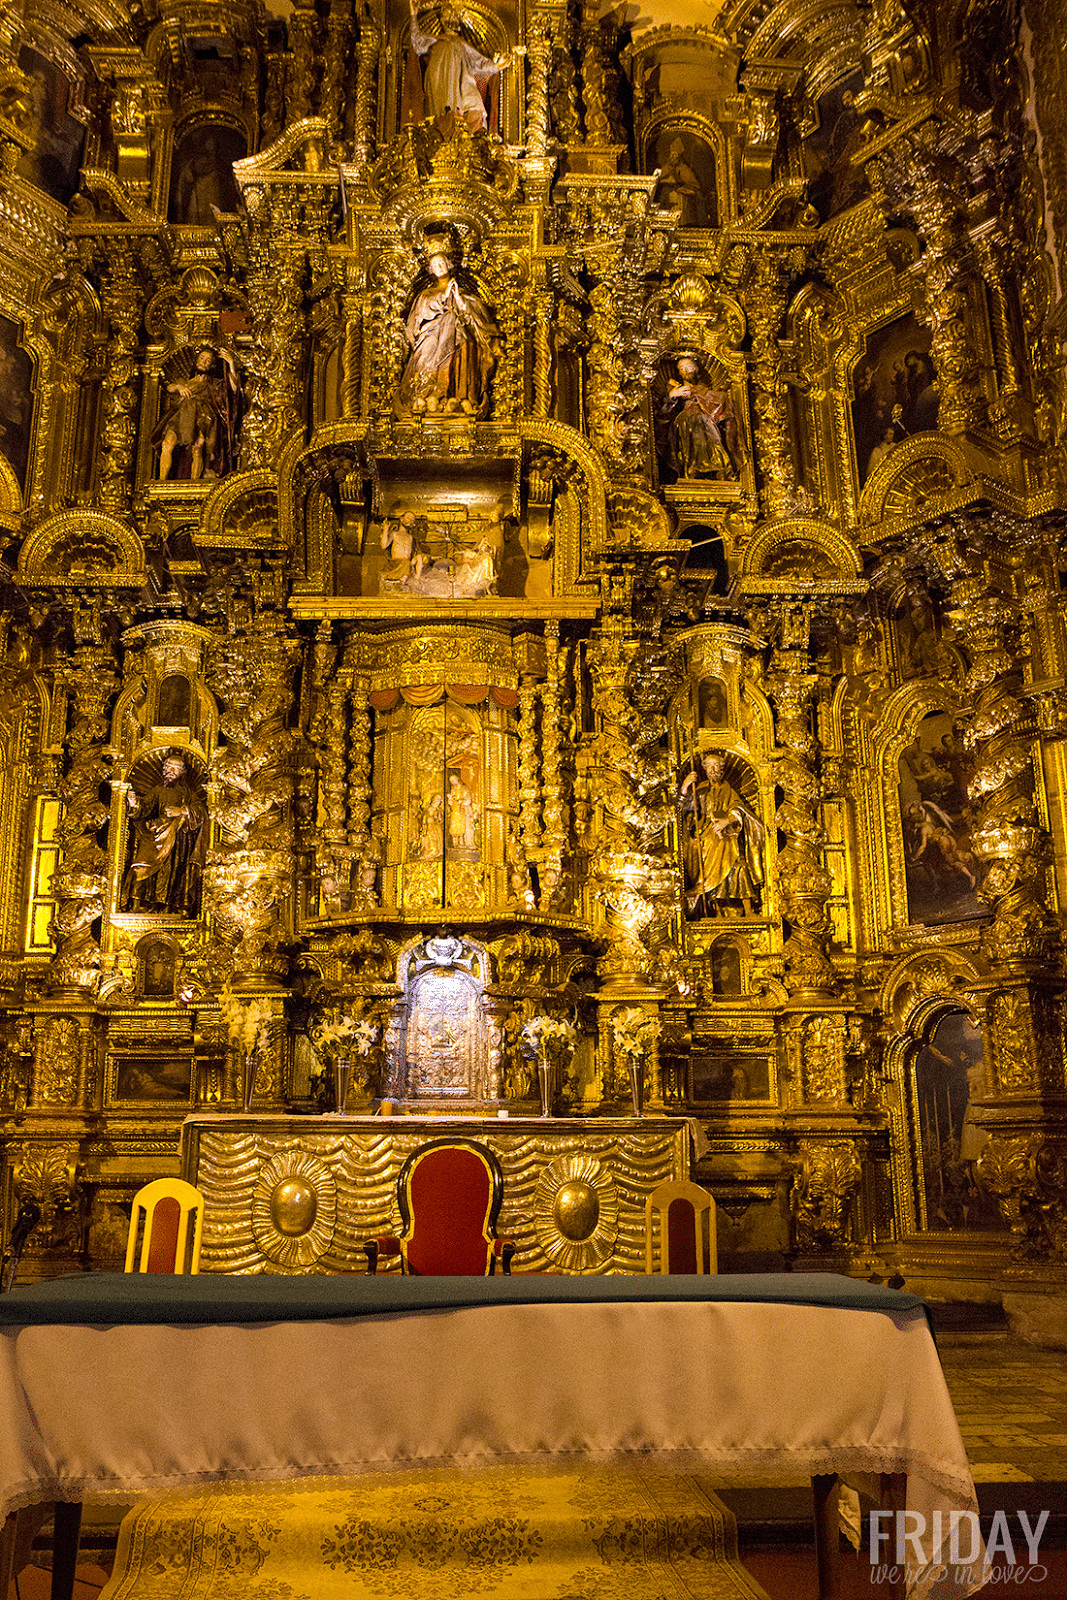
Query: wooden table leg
[[894, 1497], [66, 1530], [824, 1489], [7, 1551]]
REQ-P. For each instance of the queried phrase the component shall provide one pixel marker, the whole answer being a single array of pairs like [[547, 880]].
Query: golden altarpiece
[[534, 583]]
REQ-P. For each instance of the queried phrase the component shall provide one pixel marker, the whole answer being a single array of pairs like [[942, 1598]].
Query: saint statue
[[456, 73], [454, 342], [431, 826], [405, 541], [720, 839], [204, 185], [197, 434], [680, 188], [169, 836], [462, 814], [703, 432]]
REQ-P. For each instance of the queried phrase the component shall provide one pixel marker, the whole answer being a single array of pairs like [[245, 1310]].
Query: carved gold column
[[1008, 833], [994, 255], [631, 877], [335, 863], [597, 121], [288, 224], [333, 773], [360, 841], [367, 48], [249, 879], [603, 362], [352, 314], [554, 836], [81, 881], [257, 444], [804, 882], [333, 71], [530, 656], [563, 95], [926, 173], [538, 61], [122, 305], [303, 67], [766, 308], [543, 305]]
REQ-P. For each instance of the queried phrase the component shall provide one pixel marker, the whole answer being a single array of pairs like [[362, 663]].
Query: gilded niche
[[720, 835], [942, 871], [453, 341], [167, 836]]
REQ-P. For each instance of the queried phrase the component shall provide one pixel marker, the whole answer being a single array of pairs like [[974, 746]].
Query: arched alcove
[[443, 1039], [948, 1072]]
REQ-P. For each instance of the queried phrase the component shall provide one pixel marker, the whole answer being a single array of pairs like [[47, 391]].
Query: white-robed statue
[[454, 344], [453, 69]]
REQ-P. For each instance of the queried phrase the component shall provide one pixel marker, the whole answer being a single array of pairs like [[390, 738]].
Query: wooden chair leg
[[824, 1489], [66, 1531]]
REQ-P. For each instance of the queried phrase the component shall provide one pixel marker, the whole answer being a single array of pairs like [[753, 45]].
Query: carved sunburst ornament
[[576, 1213], [294, 1209]]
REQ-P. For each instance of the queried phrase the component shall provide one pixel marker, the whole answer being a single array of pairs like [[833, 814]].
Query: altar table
[[116, 1386]]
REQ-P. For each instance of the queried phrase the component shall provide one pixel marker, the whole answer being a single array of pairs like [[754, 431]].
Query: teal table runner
[[104, 1299]]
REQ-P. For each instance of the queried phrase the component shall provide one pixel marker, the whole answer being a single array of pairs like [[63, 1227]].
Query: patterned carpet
[[516, 1534]]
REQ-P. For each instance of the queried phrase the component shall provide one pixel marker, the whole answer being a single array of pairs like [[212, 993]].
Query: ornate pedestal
[[298, 1194]]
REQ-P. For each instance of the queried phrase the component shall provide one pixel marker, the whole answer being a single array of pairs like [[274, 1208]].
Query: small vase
[[635, 1066], [249, 1068], [342, 1077], [548, 1083]]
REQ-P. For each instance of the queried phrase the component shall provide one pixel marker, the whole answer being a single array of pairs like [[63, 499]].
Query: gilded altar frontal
[[534, 584]]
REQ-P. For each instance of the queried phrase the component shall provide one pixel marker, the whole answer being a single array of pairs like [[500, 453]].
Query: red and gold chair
[[680, 1230], [167, 1222], [449, 1193]]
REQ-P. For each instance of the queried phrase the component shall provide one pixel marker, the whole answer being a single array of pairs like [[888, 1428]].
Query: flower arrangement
[[335, 1033], [247, 1021], [365, 1036], [636, 1031], [247, 1024], [552, 1042], [544, 1035]]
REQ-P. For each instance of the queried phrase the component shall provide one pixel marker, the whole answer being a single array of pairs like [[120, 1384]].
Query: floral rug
[[506, 1534]]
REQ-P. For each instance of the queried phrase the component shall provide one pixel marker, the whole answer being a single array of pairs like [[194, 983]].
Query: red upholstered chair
[[449, 1192], [162, 1213], [680, 1229]]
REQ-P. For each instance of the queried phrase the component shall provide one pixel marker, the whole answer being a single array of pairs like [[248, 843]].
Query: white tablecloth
[[755, 1391]]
